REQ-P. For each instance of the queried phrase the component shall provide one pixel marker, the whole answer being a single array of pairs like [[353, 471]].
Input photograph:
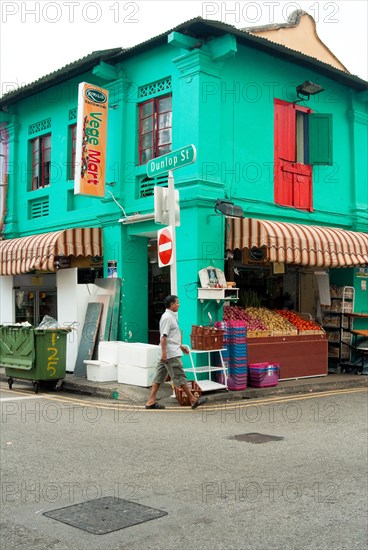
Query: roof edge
[[193, 26]]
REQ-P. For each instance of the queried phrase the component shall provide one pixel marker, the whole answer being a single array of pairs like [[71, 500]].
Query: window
[[155, 122], [41, 161], [302, 139], [72, 140]]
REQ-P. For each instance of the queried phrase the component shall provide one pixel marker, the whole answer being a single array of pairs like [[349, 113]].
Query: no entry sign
[[165, 246]]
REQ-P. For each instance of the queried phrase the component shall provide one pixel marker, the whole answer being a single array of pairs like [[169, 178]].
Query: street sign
[[171, 161], [165, 246]]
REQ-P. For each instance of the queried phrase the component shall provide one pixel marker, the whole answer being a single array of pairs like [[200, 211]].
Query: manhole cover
[[105, 515], [256, 438]]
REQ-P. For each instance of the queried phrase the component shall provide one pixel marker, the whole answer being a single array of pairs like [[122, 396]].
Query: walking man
[[171, 351]]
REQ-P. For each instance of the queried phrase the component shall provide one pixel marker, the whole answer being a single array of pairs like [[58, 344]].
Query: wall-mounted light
[[228, 208], [305, 90]]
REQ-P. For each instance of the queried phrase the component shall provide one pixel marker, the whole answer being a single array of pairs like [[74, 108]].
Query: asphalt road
[[305, 490]]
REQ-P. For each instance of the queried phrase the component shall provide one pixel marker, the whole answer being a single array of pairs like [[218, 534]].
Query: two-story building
[[277, 132]]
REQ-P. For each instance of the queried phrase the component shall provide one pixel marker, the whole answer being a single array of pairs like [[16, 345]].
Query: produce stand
[[280, 336], [297, 344], [299, 356]]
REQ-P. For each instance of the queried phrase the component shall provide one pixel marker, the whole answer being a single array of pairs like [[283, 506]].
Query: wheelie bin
[[29, 353]]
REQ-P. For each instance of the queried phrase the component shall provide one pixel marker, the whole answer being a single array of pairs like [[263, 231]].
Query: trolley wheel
[[10, 382], [36, 387]]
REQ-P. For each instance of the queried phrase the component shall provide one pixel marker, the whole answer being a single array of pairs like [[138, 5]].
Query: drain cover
[[256, 438], [105, 515]]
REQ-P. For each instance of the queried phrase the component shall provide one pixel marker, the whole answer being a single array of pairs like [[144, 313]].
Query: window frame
[[41, 168], [302, 139], [72, 142], [155, 129]]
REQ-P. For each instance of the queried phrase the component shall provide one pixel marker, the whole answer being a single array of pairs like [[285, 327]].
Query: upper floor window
[[72, 140], [301, 139], [41, 161], [155, 128]]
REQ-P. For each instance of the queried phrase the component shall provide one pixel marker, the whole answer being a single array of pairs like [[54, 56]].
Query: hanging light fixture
[[228, 208], [305, 90]]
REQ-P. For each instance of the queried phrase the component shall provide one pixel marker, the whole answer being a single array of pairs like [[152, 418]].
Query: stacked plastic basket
[[264, 375], [235, 356]]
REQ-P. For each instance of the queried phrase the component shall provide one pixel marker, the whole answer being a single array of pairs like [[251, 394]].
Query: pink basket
[[264, 375]]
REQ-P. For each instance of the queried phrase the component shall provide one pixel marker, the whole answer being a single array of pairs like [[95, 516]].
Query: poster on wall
[[112, 269], [90, 156]]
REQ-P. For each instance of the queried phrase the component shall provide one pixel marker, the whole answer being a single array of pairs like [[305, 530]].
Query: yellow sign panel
[[90, 162]]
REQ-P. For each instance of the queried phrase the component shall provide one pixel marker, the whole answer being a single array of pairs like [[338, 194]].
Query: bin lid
[[17, 347]]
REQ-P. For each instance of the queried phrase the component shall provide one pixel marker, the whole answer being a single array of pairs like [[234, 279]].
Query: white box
[[135, 376], [139, 355], [100, 371], [108, 352]]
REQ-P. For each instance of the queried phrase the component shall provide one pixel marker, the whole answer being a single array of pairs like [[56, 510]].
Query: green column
[[134, 303], [14, 179]]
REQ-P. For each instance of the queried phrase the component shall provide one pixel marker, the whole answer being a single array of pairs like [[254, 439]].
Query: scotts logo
[[257, 254], [96, 96]]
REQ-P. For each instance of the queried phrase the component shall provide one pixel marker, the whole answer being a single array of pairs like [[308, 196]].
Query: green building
[[282, 155]]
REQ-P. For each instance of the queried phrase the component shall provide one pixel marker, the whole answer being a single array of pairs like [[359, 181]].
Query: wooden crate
[[259, 333]]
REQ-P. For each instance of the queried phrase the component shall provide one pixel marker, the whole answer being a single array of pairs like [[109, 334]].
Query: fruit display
[[272, 321], [237, 313], [303, 325], [261, 321]]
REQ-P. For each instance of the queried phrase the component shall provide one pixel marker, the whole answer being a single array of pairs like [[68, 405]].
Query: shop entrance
[[261, 286], [158, 289]]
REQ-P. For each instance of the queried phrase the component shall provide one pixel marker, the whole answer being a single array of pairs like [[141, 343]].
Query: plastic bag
[[48, 322]]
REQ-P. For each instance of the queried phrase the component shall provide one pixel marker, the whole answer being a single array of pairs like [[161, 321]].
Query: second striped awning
[[299, 244], [38, 252]]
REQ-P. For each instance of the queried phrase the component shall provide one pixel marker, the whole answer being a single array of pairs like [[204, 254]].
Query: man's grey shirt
[[170, 327]]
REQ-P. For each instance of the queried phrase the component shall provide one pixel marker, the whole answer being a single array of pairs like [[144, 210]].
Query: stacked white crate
[[137, 363], [105, 369]]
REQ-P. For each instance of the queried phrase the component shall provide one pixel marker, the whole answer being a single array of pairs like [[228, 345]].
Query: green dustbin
[[38, 355]]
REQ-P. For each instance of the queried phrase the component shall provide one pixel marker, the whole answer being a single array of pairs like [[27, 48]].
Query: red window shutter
[[284, 150], [302, 186], [285, 130]]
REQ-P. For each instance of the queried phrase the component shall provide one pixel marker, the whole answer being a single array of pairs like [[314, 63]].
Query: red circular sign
[[165, 247]]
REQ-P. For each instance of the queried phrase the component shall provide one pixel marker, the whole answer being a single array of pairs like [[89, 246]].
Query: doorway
[[158, 289]]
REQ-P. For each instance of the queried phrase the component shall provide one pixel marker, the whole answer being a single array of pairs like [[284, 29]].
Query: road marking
[[18, 398], [210, 407]]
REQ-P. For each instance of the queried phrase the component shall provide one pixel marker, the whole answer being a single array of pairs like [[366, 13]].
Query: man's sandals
[[200, 401], [155, 406]]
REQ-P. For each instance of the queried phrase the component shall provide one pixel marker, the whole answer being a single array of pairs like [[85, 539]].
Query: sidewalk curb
[[137, 394]]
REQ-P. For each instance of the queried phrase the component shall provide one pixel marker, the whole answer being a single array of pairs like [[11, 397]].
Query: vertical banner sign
[[90, 160]]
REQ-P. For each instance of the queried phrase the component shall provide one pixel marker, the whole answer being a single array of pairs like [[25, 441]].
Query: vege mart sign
[[171, 161]]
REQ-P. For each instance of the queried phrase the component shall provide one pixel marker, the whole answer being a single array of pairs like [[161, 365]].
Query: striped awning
[[299, 244], [38, 252]]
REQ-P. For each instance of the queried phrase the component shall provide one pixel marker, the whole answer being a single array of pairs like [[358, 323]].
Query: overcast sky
[[39, 37]]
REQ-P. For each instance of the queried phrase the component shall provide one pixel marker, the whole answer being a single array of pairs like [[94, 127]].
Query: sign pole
[[171, 201]]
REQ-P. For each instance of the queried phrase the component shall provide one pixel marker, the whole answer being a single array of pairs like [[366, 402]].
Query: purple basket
[[264, 375]]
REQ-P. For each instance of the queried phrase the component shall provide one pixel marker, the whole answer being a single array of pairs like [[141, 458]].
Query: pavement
[[137, 396]]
